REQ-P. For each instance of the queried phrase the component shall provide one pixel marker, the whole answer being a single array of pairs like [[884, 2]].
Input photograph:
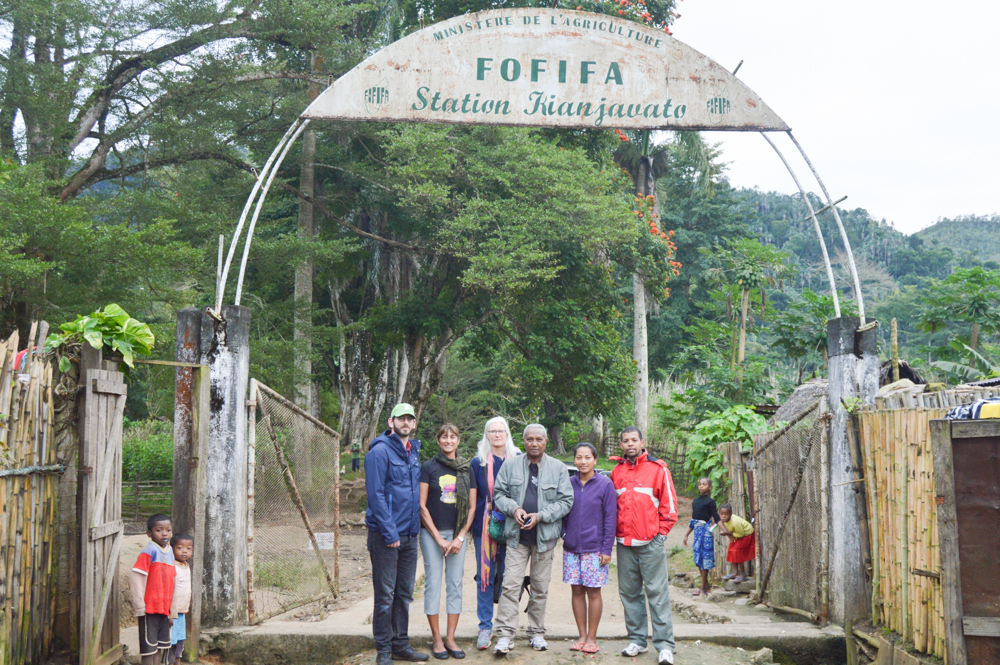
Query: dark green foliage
[[147, 451]]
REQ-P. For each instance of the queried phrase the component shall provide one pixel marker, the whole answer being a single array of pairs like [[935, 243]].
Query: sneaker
[[633, 650], [538, 643], [666, 657], [504, 645], [485, 637]]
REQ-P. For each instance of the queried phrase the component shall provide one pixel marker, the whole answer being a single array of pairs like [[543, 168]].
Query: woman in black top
[[703, 511], [447, 489]]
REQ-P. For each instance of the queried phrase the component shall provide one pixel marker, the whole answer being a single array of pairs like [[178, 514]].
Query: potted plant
[[111, 330]]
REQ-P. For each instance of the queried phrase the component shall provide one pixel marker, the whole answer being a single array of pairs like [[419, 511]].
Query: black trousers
[[394, 573]]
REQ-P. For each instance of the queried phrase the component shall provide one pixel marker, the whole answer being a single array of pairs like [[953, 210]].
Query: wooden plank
[[951, 586], [970, 429], [110, 573], [88, 447], [106, 529], [110, 387], [981, 626], [111, 656], [166, 363], [111, 426]]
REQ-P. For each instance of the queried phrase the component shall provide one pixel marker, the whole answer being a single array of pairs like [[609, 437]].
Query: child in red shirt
[[152, 582]]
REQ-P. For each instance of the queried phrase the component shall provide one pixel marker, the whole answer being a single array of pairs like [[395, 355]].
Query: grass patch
[[284, 575]]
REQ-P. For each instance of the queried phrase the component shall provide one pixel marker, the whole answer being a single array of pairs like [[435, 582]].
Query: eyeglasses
[[493, 432]]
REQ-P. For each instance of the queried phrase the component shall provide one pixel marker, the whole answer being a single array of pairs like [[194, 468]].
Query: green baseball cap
[[402, 409]]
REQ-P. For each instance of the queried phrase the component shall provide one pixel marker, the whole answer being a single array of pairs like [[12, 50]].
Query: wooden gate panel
[[977, 492], [102, 527]]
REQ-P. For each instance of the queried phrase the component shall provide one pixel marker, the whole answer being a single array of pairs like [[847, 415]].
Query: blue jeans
[[394, 573], [484, 599]]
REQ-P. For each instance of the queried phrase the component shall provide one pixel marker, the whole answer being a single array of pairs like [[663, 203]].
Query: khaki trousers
[[513, 578]]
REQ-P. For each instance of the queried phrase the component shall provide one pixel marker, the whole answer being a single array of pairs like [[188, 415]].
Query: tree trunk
[[644, 186], [361, 382], [360, 377], [302, 318], [597, 435], [304, 280], [556, 442], [744, 307], [974, 337], [421, 367]]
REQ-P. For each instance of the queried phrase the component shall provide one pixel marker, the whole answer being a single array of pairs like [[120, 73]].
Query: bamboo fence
[[28, 501], [906, 562]]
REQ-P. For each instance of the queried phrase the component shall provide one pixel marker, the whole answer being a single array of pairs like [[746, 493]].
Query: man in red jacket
[[647, 510]]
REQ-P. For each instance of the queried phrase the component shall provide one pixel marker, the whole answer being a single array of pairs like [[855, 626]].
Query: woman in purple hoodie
[[588, 536]]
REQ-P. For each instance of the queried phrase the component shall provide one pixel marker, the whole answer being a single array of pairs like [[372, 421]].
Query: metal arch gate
[[693, 92], [101, 529]]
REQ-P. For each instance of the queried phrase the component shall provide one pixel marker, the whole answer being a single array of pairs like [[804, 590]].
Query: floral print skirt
[[584, 570]]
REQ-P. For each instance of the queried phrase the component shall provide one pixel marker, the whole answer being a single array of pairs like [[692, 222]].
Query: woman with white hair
[[496, 446]]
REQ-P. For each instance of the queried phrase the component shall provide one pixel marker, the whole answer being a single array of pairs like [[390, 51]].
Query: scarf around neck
[[460, 466]]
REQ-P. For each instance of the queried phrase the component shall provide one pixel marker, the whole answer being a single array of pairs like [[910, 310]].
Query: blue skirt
[[703, 545], [179, 631]]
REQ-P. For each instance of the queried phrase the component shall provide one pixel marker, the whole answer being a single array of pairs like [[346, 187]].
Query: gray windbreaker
[[555, 497]]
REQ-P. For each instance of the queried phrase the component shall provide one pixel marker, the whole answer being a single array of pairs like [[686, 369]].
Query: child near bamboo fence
[[703, 511], [152, 583], [742, 544], [183, 546]]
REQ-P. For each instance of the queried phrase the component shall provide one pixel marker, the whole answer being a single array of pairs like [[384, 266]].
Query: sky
[[896, 103]]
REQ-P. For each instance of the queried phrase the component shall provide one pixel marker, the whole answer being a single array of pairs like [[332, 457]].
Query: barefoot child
[[743, 542], [703, 510], [183, 546], [152, 582], [588, 536]]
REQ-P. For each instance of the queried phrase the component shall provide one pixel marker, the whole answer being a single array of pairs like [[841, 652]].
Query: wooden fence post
[[951, 581], [188, 351]]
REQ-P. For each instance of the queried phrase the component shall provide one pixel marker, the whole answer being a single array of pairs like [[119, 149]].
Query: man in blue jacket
[[392, 480]]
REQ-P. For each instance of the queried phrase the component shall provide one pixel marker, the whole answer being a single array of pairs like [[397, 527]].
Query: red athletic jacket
[[647, 502]]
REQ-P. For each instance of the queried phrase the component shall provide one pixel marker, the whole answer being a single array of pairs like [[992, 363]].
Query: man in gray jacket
[[534, 491]]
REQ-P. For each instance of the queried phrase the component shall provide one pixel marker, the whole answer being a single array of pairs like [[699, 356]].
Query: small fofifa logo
[[719, 105], [375, 97]]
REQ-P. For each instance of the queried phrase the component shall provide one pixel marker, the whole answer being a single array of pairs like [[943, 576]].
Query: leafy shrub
[[147, 451], [112, 328], [738, 423]]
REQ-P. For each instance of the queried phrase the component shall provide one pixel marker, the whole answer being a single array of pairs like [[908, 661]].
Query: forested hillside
[[976, 234]]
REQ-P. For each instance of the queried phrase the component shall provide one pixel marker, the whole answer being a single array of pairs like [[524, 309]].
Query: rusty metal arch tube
[[840, 225], [260, 205], [819, 231], [220, 287]]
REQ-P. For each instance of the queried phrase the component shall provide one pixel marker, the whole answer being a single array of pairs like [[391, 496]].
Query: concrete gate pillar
[[225, 348], [854, 371]]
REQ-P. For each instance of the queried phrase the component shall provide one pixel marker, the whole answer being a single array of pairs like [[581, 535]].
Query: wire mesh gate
[[792, 522], [294, 535]]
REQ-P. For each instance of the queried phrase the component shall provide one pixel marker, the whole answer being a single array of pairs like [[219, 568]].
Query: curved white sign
[[545, 67]]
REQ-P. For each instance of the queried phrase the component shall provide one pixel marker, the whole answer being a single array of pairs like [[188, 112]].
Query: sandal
[[696, 593], [728, 577], [576, 646], [590, 648], [739, 578]]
